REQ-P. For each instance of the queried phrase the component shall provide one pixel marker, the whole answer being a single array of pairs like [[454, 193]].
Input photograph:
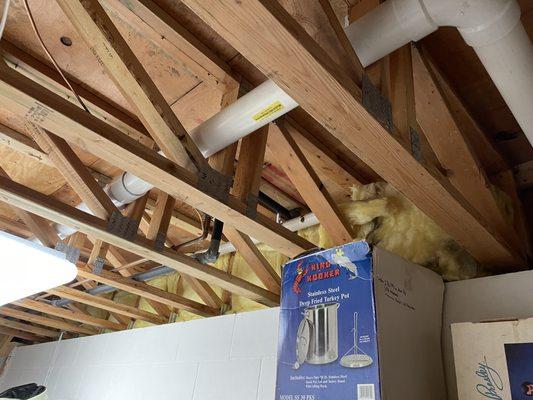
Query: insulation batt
[[377, 213]]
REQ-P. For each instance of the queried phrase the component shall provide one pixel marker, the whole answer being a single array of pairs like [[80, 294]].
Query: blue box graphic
[[327, 337]]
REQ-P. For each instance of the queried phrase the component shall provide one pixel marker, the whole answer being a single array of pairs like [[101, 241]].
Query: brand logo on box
[[313, 272], [492, 382]]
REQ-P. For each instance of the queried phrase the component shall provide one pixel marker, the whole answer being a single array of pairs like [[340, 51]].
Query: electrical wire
[[34, 26], [4, 17]]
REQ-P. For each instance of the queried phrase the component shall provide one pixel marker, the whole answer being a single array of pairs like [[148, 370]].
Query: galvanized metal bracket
[[214, 183], [376, 104], [98, 265], [72, 253], [251, 205], [173, 317], [416, 148], [122, 226], [160, 240]]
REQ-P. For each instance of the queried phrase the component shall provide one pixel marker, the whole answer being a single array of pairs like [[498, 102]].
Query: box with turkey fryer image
[[359, 323], [494, 360]]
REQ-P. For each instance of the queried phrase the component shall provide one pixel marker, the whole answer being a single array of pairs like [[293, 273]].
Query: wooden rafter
[[36, 330], [74, 125], [49, 78], [454, 151], [106, 304], [159, 222], [21, 334], [69, 314], [28, 199], [302, 175], [334, 101], [205, 63], [246, 188], [150, 292], [74, 171], [113, 53], [46, 321]]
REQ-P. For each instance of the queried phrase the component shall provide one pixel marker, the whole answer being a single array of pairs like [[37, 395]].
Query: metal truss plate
[[376, 104], [416, 148], [214, 183], [160, 239], [72, 254], [98, 265], [122, 226], [251, 205]]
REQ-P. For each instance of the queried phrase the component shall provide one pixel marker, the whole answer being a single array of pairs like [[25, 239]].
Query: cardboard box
[[357, 324], [494, 360], [500, 297]]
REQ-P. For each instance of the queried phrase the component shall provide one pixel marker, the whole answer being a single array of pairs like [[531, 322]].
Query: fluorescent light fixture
[[28, 268]]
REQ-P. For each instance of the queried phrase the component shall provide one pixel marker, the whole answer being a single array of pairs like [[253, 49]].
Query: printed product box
[[359, 324], [494, 360]]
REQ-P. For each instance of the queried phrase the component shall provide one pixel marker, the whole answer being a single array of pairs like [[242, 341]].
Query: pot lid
[[302, 341]]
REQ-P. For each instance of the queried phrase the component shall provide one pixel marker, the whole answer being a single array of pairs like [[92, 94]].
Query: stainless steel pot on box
[[317, 340]]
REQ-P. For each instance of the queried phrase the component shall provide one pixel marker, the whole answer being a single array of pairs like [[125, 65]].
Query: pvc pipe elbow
[[389, 27]]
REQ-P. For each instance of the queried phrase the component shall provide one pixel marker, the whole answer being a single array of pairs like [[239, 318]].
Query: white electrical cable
[[4, 17]]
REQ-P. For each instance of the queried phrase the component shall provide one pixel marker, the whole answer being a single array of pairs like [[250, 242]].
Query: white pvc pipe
[[491, 27], [3, 19], [250, 112], [293, 225]]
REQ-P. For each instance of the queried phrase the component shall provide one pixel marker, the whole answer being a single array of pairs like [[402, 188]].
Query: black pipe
[[268, 202], [211, 254]]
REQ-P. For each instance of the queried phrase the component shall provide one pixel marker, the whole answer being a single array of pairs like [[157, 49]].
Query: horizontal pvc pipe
[[250, 112]]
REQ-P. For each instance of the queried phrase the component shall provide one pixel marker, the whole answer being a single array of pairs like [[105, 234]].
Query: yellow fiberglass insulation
[[382, 215], [377, 213]]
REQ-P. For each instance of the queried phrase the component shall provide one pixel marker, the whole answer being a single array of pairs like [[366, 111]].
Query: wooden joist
[[113, 54], [334, 101], [50, 78], [36, 330], [106, 304], [246, 188], [198, 57], [74, 171], [149, 292], [454, 151], [37, 225], [69, 314], [21, 334], [302, 175], [71, 123], [46, 321]]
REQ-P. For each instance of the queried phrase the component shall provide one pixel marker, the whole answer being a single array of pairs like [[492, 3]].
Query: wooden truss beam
[[109, 47], [36, 330], [28, 199], [454, 151], [50, 78], [246, 188], [21, 334], [149, 292], [295, 165], [334, 101], [106, 304], [69, 314], [76, 126], [46, 321], [204, 62]]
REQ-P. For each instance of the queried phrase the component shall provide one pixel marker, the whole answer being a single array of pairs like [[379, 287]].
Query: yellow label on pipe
[[268, 111]]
